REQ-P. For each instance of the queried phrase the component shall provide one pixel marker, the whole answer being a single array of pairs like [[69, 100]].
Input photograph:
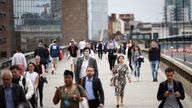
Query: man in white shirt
[[22, 81], [82, 45]]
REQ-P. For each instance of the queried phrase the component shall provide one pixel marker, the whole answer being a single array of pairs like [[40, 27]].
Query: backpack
[[54, 50]]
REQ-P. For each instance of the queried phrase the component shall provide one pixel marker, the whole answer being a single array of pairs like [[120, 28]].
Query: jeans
[[136, 68], [100, 54], [154, 68]]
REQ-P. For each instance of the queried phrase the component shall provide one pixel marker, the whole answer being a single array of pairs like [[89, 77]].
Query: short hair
[[90, 66], [169, 69], [6, 71], [68, 72], [85, 48], [14, 67]]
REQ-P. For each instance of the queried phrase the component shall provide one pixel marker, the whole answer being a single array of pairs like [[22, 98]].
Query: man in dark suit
[[11, 94], [93, 89], [81, 65], [170, 91]]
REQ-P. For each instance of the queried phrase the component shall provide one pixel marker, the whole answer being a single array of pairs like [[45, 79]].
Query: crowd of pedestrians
[[82, 86]]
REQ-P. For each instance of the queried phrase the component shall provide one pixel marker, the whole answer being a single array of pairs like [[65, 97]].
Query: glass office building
[[34, 21], [97, 19]]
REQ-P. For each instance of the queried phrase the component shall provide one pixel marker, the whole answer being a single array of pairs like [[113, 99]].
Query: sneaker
[[52, 72]]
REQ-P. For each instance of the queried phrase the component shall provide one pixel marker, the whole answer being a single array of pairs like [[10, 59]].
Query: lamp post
[[184, 56]]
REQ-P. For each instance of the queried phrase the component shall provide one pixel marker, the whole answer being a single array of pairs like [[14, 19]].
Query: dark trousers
[[40, 88], [100, 54], [81, 52], [93, 103], [111, 62], [33, 101]]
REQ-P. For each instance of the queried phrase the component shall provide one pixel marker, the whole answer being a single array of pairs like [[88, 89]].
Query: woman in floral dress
[[120, 73]]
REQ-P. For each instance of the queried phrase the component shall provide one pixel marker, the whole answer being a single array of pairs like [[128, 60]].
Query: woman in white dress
[[34, 77]]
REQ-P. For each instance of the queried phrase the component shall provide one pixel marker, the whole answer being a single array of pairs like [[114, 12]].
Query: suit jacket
[[97, 89], [92, 62], [18, 95], [163, 87]]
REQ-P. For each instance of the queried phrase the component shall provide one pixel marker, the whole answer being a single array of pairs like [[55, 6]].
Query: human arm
[[101, 93], [56, 97], [162, 93], [43, 70], [36, 82], [180, 94]]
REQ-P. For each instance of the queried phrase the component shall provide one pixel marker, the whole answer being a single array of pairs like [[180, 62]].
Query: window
[[2, 28], [2, 1], [2, 15], [3, 54], [3, 40]]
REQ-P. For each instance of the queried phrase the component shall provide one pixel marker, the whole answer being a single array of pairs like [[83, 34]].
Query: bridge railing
[[183, 73], [5, 63]]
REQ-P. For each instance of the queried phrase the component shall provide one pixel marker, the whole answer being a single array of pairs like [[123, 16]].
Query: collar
[[8, 87], [85, 59], [87, 79]]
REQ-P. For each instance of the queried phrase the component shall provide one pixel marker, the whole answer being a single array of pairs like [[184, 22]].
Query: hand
[[177, 94], [58, 91], [129, 80], [101, 106], [76, 97], [166, 94]]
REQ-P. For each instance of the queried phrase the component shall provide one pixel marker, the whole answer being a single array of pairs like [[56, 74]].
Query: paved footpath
[[140, 94]]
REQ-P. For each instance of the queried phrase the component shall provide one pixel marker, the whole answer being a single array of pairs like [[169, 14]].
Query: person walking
[[34, 77], [69, 95], [171, 91], [41, 51], [93, 89], [54, 53], [39, 68], [136, 60], [22, 81], [112, 56], [11, 94], [73, 54], [154, 59], [120, 72], [20, 60], [81, 66], [130, 46], [100, 48], [82, 45]]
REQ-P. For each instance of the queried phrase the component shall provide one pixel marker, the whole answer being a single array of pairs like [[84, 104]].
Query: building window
[[2, 1], [3, 54], [2, 28], [3, 40], [2, 15]]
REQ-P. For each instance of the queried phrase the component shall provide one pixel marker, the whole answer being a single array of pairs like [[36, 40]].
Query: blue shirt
[[9, 97], [89, 88]]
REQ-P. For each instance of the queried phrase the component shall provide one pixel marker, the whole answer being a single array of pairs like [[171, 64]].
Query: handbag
[[112, 81], [83, 103]]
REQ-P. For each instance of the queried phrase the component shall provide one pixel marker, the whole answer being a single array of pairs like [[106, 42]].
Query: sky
[[144, 10]]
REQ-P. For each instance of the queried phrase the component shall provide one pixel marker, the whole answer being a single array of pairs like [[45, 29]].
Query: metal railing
[[5, 63], [183, 73]]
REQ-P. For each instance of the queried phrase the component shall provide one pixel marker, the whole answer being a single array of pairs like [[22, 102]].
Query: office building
[[6, 28]]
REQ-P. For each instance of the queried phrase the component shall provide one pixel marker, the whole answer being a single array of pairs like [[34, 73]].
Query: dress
[[120, 71]]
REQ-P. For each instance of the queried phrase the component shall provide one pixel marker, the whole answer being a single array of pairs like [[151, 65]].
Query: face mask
[[86, 54]]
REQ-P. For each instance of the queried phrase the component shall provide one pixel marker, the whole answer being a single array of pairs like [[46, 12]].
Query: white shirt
[[82, 44], [19, 58], [92, 54], [32, 76], [83, 68], [28, 86]]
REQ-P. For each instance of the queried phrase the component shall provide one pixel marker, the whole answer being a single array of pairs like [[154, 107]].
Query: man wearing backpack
[[22, 81], [54, 53]]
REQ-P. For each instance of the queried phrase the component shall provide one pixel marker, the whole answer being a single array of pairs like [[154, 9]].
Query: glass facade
[[34, 21], [97, 20]]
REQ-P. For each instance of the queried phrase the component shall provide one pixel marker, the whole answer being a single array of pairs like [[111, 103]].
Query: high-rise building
[[34, 22], [177, 10], [6, 28], [84, 19]]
